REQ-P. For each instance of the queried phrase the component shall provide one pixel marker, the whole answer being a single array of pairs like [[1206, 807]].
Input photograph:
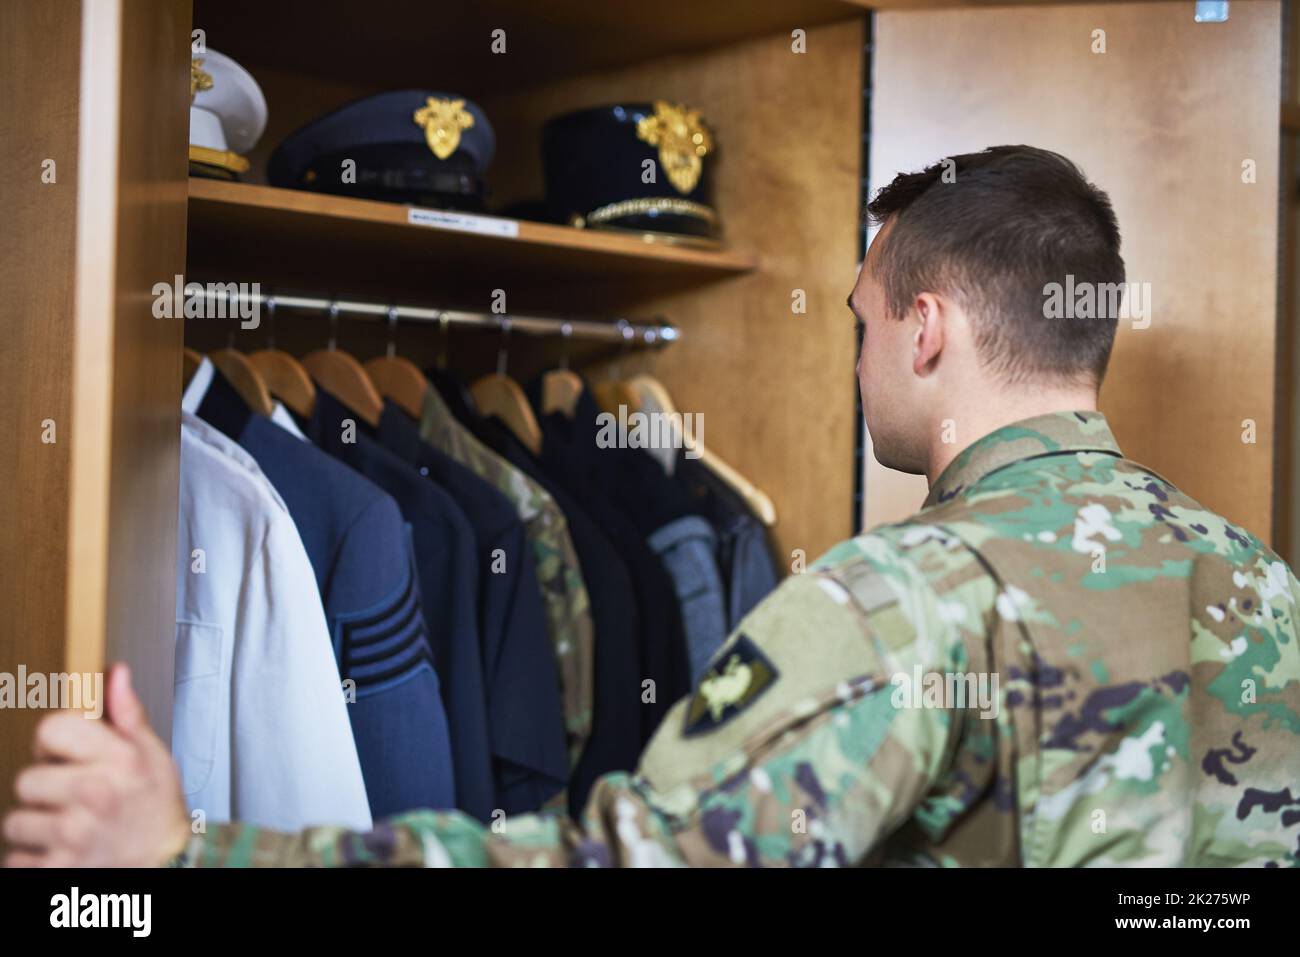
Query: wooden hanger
[[655, 390], [400, 380], [501, 396], [344, 378], [189, 365], [610, 395], [561, 389], [665, 455], [286, 379], [754, 497], [245, 378]]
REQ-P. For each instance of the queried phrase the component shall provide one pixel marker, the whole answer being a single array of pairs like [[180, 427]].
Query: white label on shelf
[[464, 222]]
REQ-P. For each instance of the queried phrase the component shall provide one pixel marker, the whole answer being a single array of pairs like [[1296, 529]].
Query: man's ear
[[928, 336]]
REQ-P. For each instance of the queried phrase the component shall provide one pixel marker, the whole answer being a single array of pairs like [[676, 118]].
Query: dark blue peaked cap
[[594, 160], [387, 119]]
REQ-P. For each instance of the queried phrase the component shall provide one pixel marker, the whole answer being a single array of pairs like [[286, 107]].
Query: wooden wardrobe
[[811, 102]]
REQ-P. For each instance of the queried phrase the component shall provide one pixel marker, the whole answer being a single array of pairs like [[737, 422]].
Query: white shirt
[[281, 417], [260, 728]]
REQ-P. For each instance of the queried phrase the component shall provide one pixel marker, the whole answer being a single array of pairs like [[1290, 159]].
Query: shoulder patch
[[740, 674]]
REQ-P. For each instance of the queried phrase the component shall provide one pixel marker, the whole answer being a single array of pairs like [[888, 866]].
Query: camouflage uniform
[[1147, 710], [564, 595]]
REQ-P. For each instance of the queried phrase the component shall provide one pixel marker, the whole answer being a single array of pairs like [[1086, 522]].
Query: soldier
[[1060, 659]]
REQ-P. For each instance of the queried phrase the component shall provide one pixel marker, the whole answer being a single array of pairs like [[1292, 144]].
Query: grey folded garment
[[687, 546]]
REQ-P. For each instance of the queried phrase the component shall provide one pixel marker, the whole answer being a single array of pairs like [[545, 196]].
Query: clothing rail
[[620, 330]]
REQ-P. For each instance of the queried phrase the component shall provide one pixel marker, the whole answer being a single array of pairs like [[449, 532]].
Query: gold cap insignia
[[442, 121], [683, 142], [200, 79]]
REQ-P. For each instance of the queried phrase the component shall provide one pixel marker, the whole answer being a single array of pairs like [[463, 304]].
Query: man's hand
[[104, 793]]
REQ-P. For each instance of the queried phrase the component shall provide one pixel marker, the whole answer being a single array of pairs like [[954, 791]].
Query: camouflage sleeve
[[568, 615], [792, 752]]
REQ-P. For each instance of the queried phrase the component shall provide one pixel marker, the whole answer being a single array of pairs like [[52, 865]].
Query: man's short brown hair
[[995, 229]]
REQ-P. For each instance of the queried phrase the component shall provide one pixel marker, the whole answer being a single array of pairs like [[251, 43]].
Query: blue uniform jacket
[[447, 573]]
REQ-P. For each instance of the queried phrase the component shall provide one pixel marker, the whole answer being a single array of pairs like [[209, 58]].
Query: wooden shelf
[[240, 230]]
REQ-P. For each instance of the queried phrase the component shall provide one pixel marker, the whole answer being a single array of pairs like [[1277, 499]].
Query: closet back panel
[[1163, 120]]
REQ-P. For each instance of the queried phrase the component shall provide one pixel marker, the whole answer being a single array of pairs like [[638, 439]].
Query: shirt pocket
[[197, 702]]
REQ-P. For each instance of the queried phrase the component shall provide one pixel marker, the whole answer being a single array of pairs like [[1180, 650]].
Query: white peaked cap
[[231, 115]]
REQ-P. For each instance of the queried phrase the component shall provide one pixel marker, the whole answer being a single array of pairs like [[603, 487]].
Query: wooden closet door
[[1162, 120], [94, 132]]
